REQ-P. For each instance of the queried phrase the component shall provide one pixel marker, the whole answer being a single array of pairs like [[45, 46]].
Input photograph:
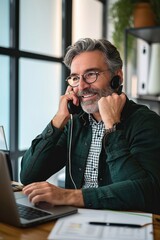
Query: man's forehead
[[88, 60]]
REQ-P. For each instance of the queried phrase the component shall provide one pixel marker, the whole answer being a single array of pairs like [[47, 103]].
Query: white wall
[[87, 19]]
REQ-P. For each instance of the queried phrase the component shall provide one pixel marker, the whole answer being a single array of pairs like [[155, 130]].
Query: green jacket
[[129, 163]]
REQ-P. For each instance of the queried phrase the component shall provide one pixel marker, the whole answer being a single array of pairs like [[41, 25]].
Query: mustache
[[87, 91], [100, 92]]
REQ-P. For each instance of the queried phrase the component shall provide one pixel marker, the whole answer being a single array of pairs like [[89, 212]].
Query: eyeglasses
[[88, 77]]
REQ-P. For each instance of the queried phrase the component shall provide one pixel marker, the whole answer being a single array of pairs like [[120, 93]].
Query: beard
[[91, 106]]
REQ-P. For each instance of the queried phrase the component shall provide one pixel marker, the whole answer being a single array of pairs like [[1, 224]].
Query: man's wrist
[[59, 121], [115, 127], [75, 198]]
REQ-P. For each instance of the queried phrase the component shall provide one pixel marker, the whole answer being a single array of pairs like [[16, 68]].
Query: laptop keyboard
[[30, 213]]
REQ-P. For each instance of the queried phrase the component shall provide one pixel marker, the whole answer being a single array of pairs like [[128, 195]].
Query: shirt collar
[[93, 121]]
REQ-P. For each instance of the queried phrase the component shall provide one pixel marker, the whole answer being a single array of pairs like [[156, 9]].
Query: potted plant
[[123, 13]]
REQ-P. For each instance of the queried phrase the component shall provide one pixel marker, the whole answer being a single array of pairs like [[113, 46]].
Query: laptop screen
[[4, 148], [3, 143]]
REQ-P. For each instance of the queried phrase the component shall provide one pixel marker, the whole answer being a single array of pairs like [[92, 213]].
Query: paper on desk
[[77, 226]]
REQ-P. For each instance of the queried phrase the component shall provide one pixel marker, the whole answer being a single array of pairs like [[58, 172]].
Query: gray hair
[[111, 54]]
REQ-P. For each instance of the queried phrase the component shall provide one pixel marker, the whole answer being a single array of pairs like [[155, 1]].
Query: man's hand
[[46, 192], [63, 115], [110, 109]]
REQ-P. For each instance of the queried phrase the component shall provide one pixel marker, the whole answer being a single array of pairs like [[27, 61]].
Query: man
[[110, 149]]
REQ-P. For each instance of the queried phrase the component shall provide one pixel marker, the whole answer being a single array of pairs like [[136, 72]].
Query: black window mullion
[[14, 85], [104, 18], [66, 36], [18, 53]]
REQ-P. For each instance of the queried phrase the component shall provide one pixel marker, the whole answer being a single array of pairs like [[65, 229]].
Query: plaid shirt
[[91, 172]]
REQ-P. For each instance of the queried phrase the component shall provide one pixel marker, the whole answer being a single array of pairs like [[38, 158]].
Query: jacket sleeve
[[46, 156], [134, 166]]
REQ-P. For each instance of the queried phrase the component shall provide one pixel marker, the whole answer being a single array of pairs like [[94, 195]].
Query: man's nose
[[82, 84]]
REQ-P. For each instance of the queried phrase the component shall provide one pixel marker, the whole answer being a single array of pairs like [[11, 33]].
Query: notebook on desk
[[16, 210]]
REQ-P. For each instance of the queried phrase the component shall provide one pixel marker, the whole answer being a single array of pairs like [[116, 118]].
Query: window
[[31, 66], [39, 93], [4, 95], [41, 27], [4, 23], [33, 39]]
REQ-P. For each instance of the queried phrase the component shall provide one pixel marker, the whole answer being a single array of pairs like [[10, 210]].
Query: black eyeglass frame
[[84, 78]]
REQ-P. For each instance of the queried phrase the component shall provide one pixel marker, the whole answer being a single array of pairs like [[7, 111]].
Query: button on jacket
[[129, 163]]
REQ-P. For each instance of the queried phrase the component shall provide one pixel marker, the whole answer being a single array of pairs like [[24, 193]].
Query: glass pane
[[40, 26], [4, 23], [4, 94], [39, 92], [87, 19]]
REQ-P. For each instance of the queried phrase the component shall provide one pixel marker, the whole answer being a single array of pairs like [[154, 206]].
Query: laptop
[[4, 148], [15, 208]]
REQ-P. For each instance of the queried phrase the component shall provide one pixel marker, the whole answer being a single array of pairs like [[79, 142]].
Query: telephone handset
[[115, 84], [73, 109]]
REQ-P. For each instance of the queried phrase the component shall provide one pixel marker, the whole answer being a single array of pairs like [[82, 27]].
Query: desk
[[42, 231], [39, 232]]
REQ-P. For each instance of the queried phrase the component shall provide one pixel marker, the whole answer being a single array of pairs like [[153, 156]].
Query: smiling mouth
[[89, 95]]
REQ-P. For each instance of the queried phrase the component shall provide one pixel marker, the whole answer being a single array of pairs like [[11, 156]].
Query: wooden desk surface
[[42, 231], [39, 232]]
